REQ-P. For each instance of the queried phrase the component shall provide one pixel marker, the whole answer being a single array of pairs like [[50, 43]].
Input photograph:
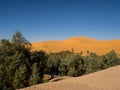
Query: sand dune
[[78, 44], [108, 79]]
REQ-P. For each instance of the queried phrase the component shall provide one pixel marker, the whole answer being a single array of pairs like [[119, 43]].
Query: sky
[[40, 20]]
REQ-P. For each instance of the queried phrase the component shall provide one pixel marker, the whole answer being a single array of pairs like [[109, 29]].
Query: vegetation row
[[20, 67]]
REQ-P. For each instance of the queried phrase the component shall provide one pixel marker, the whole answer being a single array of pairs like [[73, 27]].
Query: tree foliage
[[53, 64]]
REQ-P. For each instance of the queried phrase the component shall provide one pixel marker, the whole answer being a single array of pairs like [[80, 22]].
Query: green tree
[[34, 77], [90, 62], [53, 64], [19, 40], [76, 65], [111, 59], [13, 55], [6, 51], [63, 67], [20, 77], [39, 57]]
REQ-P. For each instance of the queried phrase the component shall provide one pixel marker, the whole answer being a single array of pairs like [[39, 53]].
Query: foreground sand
[[108, 79], [79, 44]]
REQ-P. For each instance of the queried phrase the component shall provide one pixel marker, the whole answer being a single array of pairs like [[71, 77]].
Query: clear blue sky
[[40, 20]]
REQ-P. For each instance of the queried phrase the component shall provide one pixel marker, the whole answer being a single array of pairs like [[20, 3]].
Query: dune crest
[[79, 44]]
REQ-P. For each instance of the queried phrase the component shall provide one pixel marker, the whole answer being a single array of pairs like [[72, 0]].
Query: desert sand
[[108, 79], [79, 44]]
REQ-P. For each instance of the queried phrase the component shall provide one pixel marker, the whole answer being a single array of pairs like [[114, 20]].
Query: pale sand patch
[[108, 79]]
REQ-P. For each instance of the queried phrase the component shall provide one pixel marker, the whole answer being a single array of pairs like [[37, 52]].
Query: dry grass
[[79, 44], [108, 79]]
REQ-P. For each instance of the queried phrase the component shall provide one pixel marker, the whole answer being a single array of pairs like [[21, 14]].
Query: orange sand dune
[[79, 44]]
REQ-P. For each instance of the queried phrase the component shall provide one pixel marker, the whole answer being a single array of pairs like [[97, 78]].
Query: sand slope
[[108, 79], [79, 44]]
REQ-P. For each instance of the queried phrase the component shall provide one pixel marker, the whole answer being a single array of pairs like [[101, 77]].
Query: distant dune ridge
[[79, 44], [108, 79]]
